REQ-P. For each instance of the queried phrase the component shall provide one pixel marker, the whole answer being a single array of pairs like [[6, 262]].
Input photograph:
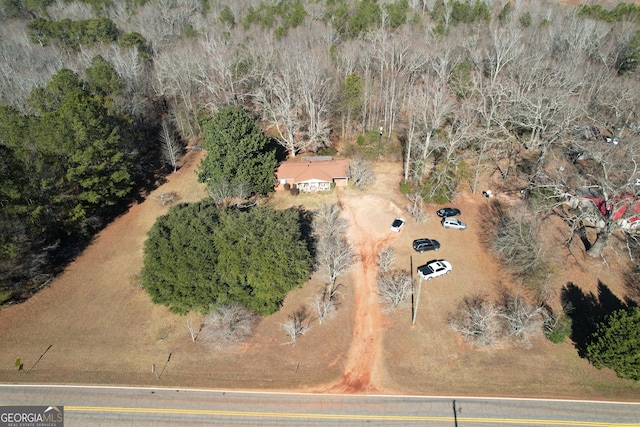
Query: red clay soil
[[369, 238], [104, 330]]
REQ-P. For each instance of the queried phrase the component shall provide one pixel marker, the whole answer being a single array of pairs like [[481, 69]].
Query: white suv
[[434, 269]]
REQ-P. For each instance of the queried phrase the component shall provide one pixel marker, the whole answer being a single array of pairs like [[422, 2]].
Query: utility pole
[[415, 309], [416, 294]]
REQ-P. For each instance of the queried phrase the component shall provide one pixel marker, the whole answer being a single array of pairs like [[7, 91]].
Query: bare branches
[[394, 288], [416, 207], [325, 302], [194, 328], [522, 320], [225, 193], [334, 254], [485, 323], [171, 148], [514, 238], [361, 173], [386, 258], [295, 325], [477, 321], [229, 325], [327, 221]]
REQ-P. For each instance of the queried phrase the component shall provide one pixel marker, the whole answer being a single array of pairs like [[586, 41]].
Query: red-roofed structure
[[620, 205], [315, 173]]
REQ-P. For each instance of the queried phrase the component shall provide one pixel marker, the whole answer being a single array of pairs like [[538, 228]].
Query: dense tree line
[[64, 169], [73, 34], [199, 256]]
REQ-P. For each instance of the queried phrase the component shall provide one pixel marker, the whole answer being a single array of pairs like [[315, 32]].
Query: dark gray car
[[423, 245]]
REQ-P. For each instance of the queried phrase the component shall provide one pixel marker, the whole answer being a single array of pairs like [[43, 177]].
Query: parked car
[[397, 224], [423, 245], [453, 223], [446, 212], [434, 269]]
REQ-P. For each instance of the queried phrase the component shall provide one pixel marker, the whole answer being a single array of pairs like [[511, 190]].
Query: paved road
[[122, 406]]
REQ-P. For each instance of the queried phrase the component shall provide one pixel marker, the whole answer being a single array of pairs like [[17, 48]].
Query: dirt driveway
[[99, 328]]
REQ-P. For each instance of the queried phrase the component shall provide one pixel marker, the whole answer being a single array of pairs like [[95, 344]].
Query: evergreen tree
[[103, 78], [237, 152], [616, 343], [80, 158]]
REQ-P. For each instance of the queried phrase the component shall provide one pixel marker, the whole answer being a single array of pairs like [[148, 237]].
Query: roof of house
[[309, 168]]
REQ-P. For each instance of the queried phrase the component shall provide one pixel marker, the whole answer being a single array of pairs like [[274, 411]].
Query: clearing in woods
[[102, 329]]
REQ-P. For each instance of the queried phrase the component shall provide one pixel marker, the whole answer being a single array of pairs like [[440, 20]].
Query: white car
[[397, 224], [453, 223], [433, 269]]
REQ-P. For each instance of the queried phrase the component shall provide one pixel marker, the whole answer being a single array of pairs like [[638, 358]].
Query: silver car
[[453, 223]]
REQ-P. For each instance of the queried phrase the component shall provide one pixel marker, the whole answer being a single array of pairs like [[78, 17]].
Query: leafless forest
[[540, 95]]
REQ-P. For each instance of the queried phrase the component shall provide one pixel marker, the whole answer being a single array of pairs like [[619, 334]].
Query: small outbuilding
[[312, 173]]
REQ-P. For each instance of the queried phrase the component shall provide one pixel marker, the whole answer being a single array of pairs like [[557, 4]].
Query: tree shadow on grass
[[587, 310]]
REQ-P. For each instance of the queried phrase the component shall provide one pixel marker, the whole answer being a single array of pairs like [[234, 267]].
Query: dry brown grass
[[105, 330]]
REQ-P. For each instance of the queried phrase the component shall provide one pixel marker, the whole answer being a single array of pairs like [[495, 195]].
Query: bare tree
[[523, 320], [596, 189], [137, 76], [386, 259], [325, 302], [447, 148], [229, 325], [334, 256], [194, 326], [361, 173], [171, 148], [224, 71], [517, 243], [327, 221], [436, 104], [278, 96], [505, 47], [176, 80], [477, 320], [225, 193], [395, 288], [316, 93], [416, 207], [295, 325]]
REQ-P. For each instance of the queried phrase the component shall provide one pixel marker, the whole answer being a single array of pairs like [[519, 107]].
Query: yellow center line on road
[[351, 417]]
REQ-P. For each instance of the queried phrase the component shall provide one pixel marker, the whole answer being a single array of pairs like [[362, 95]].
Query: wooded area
[[541, 96]]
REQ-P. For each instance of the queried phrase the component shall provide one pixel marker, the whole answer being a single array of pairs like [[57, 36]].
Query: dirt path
[[369, 218]]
